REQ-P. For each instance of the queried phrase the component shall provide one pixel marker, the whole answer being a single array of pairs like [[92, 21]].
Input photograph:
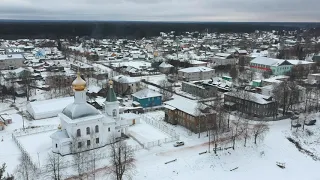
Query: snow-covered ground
[[151, 165], [145, 133]]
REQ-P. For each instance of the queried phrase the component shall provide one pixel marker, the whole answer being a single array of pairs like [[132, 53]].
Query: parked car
[[296, 125], [179, 143], [294, 117], [311, 122]]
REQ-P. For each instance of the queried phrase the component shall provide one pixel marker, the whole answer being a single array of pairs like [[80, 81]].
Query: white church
[[83, 127]]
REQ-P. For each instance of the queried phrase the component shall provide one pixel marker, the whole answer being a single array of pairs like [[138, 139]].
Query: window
[[88, 143], [88, 130], [114, 113], [97, 128], [79, 144], [78, 132], [108, 129], [56, 145], [97, 140]]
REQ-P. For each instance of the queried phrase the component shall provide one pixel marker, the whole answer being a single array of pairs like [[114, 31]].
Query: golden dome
[[78, 84], [110, 82]]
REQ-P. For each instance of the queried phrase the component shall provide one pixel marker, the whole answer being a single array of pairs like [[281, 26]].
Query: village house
[[147, 98], [223, 59], [81, 67], [277, 66], [11, 61], [125, 85], [186, 113], [274, 66], [165, 67], [195, 73], [253, 104], [200, 89], [314, 78]]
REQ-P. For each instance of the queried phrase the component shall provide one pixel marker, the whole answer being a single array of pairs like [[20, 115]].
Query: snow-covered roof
[[11, 56], [197, 62], [186, 105], [196, 69], [223, 54], [254, 97], [129, 116], [165, 65], [146, 93], [79, 110], [93, 89], [267, 61], [125, 79], [242, 51], [297, 62], [51, 106], [60, 134]]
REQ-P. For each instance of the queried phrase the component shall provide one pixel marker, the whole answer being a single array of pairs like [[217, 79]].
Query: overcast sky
[[162, 10]]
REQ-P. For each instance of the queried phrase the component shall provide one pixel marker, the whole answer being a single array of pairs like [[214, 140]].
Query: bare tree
[[25, 170], [166, 89], [236, 131], [199, 112], [54, 163], [79, 156], [122, 160], [25, 76], [285, 94], [246, 131], [233, 73], [12, 77], [2, 173], [259, 130]]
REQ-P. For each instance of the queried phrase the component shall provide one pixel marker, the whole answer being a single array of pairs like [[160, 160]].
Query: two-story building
[[253, 104], [200, 89], [184, 112], [11, 61], [275, 66], [195, 73], [125, 85], [223, 59]]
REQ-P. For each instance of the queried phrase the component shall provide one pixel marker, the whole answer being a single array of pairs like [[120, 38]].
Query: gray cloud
[[162, 10]]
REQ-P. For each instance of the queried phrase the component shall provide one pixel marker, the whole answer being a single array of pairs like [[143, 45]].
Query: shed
[[48, 108], [2, 125], [6, 118]]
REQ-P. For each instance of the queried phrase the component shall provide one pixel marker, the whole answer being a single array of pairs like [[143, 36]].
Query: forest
[[131, 30]]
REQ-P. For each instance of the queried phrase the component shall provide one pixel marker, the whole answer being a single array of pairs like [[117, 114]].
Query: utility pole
[[209, 138], [38, 159]]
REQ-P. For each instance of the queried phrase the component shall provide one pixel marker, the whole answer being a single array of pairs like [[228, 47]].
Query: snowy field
[[145, 133], [151, 165], [37, 144]]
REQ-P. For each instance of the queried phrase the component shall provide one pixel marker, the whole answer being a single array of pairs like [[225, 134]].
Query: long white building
[[196, 73]]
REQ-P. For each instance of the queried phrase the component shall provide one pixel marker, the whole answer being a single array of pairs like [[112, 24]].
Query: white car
[[179, 143]]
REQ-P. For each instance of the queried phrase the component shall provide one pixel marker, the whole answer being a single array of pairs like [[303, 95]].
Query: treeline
[[68, 29]]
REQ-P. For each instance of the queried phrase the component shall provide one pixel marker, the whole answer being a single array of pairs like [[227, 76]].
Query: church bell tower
[[111, 103]]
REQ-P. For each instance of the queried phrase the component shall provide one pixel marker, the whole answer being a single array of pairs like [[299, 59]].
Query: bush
[[308, 132]]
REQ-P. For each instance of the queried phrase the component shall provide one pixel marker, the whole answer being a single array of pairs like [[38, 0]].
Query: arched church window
[[78, 132], [97, 128], [88, 130], [114, 113]]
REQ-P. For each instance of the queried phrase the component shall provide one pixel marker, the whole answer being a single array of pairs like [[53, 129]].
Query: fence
[[161, 125], [25, 156], [35, 130]]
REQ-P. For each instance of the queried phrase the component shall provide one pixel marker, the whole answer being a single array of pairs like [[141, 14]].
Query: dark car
[[311, 122], [294, 117], [296, 125]]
